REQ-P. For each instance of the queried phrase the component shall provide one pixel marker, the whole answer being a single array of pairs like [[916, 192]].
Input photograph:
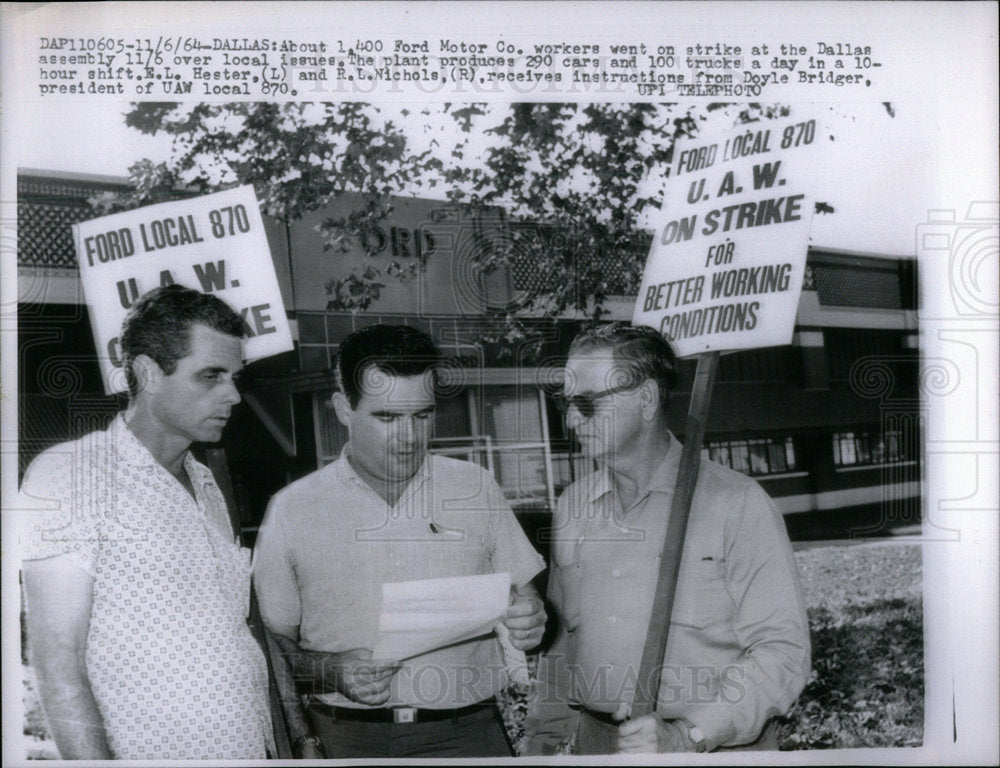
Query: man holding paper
[[738, 645], [337, 552]]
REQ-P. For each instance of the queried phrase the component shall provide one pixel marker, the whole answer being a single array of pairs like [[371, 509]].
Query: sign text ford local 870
[[214, 243], [728, 256]]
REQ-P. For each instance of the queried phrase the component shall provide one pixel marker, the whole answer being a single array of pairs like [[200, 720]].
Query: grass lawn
[[866, 623], [867, 684]]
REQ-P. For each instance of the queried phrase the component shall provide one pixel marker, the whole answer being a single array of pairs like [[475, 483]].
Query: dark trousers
[[595, 737], [477, 734]]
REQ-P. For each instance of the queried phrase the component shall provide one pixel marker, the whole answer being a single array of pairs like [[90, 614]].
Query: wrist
[[303, 740], [693, 734]]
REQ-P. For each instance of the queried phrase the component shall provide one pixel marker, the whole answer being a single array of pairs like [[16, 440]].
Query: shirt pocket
[[449, 552], [473, 556], [702, 599]]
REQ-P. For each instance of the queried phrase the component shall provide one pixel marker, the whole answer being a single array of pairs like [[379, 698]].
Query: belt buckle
[[404, 714]]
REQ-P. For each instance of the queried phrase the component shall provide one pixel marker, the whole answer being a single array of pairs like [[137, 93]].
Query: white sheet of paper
[[419, 616]]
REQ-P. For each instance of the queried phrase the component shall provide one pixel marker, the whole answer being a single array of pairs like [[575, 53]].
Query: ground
[[866, 622], [867, 685]]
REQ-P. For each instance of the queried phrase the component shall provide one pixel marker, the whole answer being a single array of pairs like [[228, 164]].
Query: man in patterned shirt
[[137, 592], [386, 511]]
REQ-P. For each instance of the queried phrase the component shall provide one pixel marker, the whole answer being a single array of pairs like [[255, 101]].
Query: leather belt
[[602, 717], [397, 714]]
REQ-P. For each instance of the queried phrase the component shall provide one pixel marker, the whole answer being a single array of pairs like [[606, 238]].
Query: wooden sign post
[[724, 272], [670, 561], [216, 460]]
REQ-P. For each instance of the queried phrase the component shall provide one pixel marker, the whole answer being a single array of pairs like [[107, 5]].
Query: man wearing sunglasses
[[738, 647]]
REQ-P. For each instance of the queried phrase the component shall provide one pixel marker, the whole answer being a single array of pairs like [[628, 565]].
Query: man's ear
[[342, 407], [649, 399], [148, 374]]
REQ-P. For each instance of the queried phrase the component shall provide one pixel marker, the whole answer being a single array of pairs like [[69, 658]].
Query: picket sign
[[724, 272], [212, 243]]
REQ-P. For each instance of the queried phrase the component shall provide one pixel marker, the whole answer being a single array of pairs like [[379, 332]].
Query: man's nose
[[573, 417], [407, 429], [232, 393]]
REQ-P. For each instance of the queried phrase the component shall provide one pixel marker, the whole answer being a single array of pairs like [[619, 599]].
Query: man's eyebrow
[[428, 409], [216, 369]]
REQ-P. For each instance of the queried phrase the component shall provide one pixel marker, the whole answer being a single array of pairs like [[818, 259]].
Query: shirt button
[[612, 620], [616, 573], [399, 563]]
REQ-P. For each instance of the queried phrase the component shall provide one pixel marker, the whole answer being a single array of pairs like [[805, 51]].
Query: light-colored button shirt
[[329, 542], [173, 667], [738, 645]]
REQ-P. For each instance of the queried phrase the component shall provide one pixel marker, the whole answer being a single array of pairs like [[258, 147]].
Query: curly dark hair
[[159, 325], [398, 350]]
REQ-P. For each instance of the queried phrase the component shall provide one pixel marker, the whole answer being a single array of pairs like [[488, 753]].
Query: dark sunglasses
[[587, 404]]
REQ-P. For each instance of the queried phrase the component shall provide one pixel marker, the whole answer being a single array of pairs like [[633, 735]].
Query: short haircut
[[398, 350], [159, 325], [641, 353]]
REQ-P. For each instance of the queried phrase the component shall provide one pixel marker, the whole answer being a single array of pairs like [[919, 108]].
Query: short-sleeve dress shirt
[[738, 646], [174, 669], [329, 542]]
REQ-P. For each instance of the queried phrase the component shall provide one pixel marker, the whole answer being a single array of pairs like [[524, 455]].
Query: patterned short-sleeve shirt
[[174, 669]]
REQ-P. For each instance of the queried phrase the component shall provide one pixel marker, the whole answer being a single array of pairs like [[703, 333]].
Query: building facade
[[830, 425]]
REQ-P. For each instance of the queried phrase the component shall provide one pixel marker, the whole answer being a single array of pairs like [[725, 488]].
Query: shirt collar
[[200, 474], [665, 477], [129, 450], [662, 481]]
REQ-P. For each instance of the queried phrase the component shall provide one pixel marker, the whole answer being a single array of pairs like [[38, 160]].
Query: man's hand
[[308, 749], [525, 618], [351, 673], [650, 734]]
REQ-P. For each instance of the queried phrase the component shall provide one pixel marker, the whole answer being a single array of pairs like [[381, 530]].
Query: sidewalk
[[909, 534]]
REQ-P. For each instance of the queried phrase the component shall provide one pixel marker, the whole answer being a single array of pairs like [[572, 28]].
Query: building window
[[845, 346], [857, 282], [511, 442], [770, 364], [754, 456], [852, 449]]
